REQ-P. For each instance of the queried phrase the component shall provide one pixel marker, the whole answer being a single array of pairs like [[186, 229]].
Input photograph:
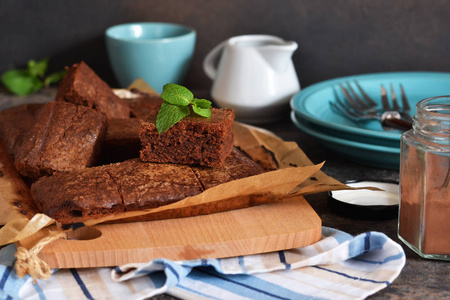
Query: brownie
[[138, 185], [144, 105], [113, 188], [15, 123], [64, 137], [82, 86], [237, 165], [121, 141], [194, 140], [81, 193]]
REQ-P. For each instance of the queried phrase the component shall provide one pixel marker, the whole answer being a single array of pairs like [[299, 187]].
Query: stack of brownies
[[90, 153]]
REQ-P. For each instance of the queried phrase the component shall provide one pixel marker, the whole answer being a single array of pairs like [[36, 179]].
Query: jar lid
[[367, 204]]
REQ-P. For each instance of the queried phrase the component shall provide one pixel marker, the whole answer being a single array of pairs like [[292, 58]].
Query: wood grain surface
[[283, 225]]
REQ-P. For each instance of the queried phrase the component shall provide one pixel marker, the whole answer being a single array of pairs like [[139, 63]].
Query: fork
[[357, 110]]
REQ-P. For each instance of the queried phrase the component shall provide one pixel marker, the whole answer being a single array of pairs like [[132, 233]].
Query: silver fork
[[390, 117]]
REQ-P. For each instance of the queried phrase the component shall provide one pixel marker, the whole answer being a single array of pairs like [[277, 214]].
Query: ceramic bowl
[[159, 53]]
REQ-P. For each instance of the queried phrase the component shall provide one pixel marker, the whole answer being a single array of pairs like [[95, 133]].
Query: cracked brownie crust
[[64, 138], [82, 193], [237, 165], [14, 123]]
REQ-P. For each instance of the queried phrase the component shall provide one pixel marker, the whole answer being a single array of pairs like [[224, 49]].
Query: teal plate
[[369, 154], [312, 103]]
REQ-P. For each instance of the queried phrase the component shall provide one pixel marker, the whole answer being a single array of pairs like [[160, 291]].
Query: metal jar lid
[[367, 204]]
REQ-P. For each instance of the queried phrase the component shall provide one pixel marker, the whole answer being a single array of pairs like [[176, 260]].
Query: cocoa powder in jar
[[424, 218]]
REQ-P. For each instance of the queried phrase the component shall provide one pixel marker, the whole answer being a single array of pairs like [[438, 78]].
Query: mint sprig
[[176, 106], [30, 80]]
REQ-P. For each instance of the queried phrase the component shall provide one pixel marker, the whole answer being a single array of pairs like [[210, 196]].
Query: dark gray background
[[335, 37]]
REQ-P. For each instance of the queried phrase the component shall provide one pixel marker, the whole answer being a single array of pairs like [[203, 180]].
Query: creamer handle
[[210, 60]]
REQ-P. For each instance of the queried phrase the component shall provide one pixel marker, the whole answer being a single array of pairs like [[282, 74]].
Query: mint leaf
[[30, 80], [38, 68], [202, 107], [176, 94], [21, 82], [54, 78], [169, 115], [175, 106], [204, 112], [202, 103]]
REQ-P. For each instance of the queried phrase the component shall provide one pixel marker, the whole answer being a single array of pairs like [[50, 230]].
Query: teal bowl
[[158, 53]]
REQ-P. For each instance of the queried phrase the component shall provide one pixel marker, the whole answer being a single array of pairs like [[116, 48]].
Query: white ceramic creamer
[[255, 76]]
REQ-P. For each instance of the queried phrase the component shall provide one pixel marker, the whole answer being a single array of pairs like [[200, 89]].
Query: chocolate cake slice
[[65, 137], [82, 86], [193, 141]]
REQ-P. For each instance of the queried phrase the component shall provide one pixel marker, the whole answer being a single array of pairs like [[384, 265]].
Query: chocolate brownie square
[[81, 193], [64, 137], [15, 123], [236, 166], [82, 86], [194, 140]]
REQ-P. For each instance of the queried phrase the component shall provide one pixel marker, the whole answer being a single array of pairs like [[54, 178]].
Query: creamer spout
[[278, 55]]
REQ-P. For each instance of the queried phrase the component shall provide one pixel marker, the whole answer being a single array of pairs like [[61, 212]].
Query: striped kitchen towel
[[339, 266]]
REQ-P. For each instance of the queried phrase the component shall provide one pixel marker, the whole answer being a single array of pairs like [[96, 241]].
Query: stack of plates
[[364, 142]]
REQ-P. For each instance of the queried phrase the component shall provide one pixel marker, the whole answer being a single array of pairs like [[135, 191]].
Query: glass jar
[[424, 217]]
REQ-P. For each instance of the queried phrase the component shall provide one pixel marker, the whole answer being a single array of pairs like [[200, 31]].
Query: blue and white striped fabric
[[339, 266]]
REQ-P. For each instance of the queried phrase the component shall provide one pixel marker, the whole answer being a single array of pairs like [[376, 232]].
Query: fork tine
[[394, 100], [357, 99], [368, 99], [405, 103], [384, 99], [344, 108], [353, 104]]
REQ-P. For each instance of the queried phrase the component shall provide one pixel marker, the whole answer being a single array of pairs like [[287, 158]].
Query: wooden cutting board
[[259, 229]]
